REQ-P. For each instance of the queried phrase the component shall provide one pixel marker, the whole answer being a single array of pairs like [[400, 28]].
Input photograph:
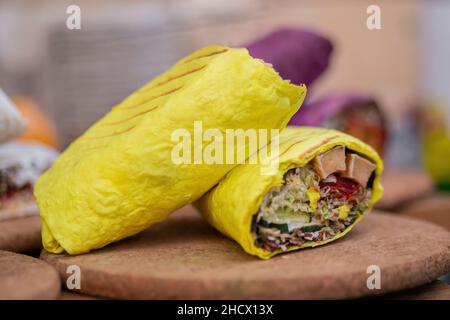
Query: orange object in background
[[39, 126]]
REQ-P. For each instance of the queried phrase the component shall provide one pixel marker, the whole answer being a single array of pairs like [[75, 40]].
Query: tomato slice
[[343, 187]]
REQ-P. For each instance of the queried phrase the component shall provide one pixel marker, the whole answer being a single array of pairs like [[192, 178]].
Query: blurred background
[[75, 76]]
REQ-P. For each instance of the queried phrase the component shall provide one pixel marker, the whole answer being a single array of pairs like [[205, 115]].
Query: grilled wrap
[[119, 178], [325, 182]]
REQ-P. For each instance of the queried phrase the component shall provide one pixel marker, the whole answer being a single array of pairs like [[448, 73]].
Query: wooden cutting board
[[403, 186], [70, 295], [436, 290], [24, 277], [433, 208], [21, 235], [184, 258]]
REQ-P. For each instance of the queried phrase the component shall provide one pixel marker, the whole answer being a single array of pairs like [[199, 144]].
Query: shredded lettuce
[[291, 202]]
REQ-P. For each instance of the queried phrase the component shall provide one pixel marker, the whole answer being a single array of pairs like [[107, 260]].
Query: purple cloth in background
[[298, 55], [315, 113]]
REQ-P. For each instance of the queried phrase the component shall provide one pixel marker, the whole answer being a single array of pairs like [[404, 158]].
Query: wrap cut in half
[[120, 176], [325, 182]]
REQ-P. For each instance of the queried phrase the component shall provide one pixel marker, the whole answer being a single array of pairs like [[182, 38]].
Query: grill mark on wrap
[[207, 55], [291, 146], [164, 93], [313, 148], [171, 79], [129, 118], [309, 149], [150, 99], [116, 133]]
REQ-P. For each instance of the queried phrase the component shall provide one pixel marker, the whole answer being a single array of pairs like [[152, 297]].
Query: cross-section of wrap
[[325, 182], [119, 177]]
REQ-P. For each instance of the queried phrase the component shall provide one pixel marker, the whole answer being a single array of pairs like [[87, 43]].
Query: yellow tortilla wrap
[[118, 178], [231, 205]]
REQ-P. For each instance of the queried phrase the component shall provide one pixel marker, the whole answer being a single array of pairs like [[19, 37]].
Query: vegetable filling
[[315, 202]]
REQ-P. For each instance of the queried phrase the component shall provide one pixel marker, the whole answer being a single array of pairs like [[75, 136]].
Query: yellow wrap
[[118, 177], [230, 206]]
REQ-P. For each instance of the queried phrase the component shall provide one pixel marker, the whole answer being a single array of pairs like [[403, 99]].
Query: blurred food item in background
[[356, 114], [11, 121], [433, 208], [40, 127], [298, 55], [403, 185], [435, 135], [21, 164]]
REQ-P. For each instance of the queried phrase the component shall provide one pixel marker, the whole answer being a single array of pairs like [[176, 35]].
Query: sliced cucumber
[[287, 216], [283, 227], [311, 228]]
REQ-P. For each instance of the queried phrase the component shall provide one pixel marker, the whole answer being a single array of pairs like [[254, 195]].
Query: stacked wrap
[[118, 178], [231, 205]]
